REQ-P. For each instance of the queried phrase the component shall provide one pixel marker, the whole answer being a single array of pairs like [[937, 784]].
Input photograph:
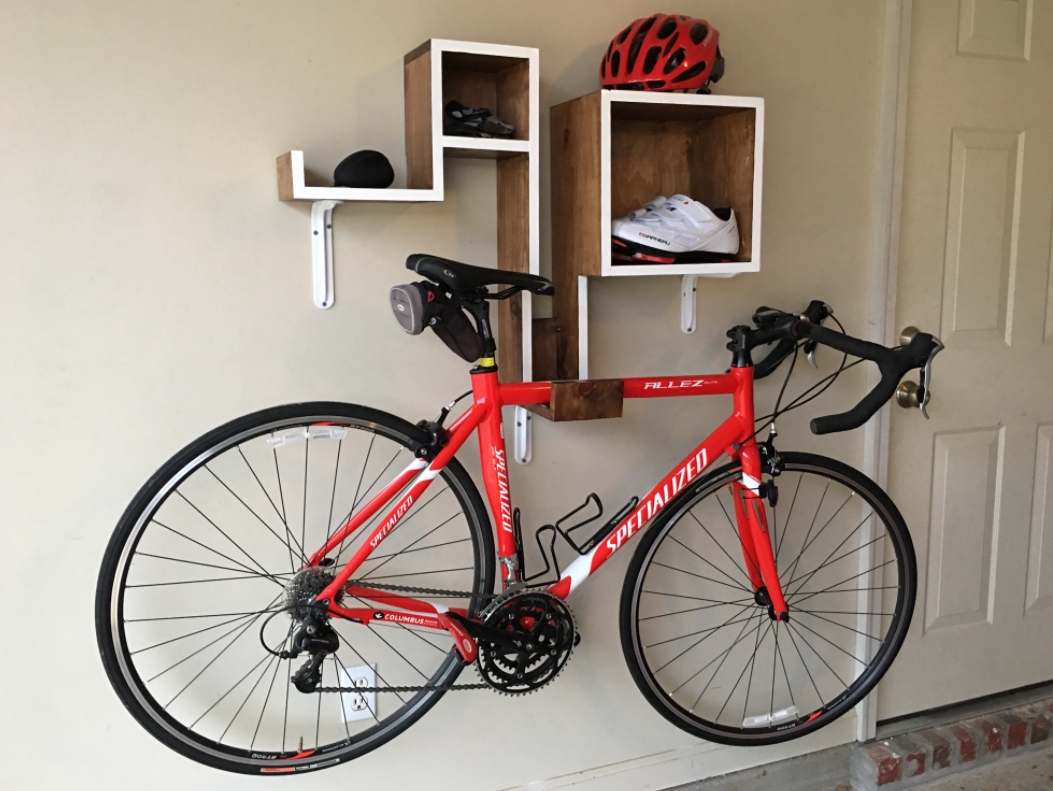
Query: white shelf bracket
[[688, 304], [524, 435], [322, 251]]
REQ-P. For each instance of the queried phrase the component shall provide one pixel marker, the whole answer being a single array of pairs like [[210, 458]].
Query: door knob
[[909, 395], [907, 335]]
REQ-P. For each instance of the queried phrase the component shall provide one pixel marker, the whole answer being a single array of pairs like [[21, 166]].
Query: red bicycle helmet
[[663, 52]]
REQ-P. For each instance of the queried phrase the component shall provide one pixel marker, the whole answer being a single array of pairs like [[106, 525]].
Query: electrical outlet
[[359, 705]]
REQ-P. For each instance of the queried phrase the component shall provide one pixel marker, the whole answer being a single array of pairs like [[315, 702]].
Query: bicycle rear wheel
[[194, 591], [700, 642]]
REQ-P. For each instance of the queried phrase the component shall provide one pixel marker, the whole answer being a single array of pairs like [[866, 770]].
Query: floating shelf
[[503, 79], [612, 151]]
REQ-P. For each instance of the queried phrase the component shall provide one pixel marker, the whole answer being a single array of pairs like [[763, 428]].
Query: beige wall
[[153, 287]]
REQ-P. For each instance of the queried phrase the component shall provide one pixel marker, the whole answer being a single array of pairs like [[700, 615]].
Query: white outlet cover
[[359, 706]]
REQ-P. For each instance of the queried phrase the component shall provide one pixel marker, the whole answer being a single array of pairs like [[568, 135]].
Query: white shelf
[[291, 186], [702, 270], [486, 144]]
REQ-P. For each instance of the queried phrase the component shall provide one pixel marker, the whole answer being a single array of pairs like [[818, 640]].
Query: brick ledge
[[921, 756]]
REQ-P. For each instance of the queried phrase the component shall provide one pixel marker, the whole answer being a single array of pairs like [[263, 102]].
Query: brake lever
[[926, 376], [810, 349]]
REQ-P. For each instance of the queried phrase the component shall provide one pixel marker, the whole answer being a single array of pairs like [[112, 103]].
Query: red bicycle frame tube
[[734, 437]]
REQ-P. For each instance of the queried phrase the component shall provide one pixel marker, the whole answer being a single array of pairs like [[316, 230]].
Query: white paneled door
[[975, 483]]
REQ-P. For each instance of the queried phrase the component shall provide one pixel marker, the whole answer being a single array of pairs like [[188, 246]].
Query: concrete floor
[[1027, 773]]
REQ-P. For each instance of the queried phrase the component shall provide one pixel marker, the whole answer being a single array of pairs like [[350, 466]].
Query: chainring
[[547, 627]]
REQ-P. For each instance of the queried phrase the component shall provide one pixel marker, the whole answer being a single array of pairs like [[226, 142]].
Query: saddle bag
[[420, 305]]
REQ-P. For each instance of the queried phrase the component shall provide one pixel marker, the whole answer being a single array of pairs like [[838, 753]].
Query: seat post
[[480, 309]]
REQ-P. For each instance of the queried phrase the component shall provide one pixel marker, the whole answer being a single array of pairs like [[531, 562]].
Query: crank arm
[[480, 631]]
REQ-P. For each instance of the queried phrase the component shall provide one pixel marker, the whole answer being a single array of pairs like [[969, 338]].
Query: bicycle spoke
[[738, 638], [303, 518], [849, 628], [811, 526], [222, 532], [190, 634], [270, 689], [721, 546], [259, 518], [199, 563], [789, 514], [753, 666], [237, 563], [354, 499], [701, 639], [252, 470], [828, 562], [408, 551], [692, 634], [708, 563], [842, 582], [850, 655], [701, 577], [693, 609], [782, 661], [805, 640], [421, 538], [212, 661], [804, 664], [332, 497], [214, 579], [756, 630], [345, 641]]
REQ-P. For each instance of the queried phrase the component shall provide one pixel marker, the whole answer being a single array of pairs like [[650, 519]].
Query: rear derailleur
[[318, 639]]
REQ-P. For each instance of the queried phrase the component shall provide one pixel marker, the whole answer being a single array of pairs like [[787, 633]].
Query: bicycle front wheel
[[703, 645], [193, 602]]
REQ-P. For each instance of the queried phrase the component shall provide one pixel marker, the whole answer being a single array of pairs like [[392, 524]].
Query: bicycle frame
[[735, 437]]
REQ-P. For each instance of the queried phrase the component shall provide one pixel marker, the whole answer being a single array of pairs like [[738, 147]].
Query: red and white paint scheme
[[734, 438]]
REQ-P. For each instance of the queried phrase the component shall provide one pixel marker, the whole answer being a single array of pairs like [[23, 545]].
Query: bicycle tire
[[652, 672], [204, 457]]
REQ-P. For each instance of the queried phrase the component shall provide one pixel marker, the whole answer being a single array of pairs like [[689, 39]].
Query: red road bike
[[300, 585]]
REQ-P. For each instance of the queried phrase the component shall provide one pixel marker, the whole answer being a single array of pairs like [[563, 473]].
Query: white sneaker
[[678, 230], [636, 214]]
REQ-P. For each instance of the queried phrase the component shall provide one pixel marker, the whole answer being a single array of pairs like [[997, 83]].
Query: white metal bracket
[[322, 251], [688, 309], [688, 303], [524, 435]]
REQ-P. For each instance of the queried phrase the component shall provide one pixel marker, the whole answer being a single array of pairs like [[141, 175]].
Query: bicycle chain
[[429, 592]]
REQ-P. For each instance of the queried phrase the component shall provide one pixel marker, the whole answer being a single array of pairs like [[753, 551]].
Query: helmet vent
[[652, 59], [624, 34], [675, 61], [616, 61], [667, 28], [699, 32], [694, 71]]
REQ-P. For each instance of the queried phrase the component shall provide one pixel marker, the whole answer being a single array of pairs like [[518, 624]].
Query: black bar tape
[[893, 364]]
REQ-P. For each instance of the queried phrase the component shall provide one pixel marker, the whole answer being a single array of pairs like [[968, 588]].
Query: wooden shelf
[[613, 151], [586, 399]]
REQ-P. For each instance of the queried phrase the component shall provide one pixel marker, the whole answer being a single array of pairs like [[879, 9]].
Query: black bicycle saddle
[[464, 278]]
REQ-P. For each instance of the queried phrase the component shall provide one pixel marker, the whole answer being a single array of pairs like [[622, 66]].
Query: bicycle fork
[[756, 541]]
